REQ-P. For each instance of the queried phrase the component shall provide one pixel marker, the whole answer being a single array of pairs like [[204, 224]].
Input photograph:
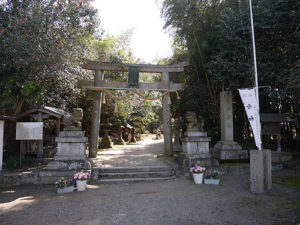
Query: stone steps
[[134, 169], [134, 174], [133, 180]]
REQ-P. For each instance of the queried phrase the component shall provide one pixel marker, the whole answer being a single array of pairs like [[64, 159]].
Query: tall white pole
[[254, 59]]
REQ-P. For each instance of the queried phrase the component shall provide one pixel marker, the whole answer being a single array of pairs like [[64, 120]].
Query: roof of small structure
[[2, 117], [51, 111], [274, 118]]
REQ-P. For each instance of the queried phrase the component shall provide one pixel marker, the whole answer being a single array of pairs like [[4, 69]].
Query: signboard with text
[[29, 131]]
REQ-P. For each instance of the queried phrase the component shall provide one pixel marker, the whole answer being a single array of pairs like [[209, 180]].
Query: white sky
[[149, 41]]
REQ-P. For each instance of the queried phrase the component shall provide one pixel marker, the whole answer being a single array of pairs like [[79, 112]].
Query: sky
[[149, 40]]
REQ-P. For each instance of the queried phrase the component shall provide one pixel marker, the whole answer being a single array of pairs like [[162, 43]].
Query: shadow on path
[[143, 153]]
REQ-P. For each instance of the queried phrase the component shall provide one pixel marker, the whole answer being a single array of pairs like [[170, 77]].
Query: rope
[[131, 92], [117, 98]]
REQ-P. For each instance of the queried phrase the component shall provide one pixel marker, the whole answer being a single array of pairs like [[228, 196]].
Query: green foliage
[[140, 113], [41, 43], [216, 37], [12, 163]]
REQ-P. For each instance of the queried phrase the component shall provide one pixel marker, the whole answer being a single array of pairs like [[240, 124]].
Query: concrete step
[[136, 174], [133, 180], [134, 169]]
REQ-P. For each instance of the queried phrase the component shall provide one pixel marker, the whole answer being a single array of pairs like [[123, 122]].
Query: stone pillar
[[260, 171], [96, 114], [256, 171], [227, 148], [1, 142], [168, 148], [267, 170], [226, 116]]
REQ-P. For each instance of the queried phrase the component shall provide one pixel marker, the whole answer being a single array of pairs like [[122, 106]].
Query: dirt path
[[139, 154], [177, 201]]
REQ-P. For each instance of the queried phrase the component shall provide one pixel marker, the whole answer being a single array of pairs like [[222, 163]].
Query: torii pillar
[[96, 113], [99, 84], [168, 147]]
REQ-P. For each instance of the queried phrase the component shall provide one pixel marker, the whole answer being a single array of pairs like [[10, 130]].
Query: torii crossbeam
[[99, 84]]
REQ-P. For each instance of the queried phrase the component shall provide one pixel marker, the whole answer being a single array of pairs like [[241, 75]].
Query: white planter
[[198, 178], [65, 190], [81, 185], [212, 181]]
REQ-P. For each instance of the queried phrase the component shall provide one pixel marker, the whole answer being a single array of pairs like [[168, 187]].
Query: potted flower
[[65, 185], [197, 172], [81, 180], [212, 177]]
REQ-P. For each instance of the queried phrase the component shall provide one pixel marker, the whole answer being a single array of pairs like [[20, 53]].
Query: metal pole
[[254, 59]]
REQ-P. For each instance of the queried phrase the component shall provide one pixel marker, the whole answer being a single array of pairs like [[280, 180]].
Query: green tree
[[215, 35], [41, 44]]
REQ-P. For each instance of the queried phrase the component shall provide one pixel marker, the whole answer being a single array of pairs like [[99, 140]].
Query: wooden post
[[40, 142], [1, 142], [22, 151], [168, 147], [96, 113], [57, 126]]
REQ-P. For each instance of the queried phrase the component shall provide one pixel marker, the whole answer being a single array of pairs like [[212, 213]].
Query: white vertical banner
[[249, 100]]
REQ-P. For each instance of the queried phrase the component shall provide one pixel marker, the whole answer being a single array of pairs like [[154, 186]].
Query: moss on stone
[[290, 181]]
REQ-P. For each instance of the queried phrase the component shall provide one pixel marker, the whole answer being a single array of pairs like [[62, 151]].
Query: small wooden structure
[[271, 125], [45, 114], [99, 85]]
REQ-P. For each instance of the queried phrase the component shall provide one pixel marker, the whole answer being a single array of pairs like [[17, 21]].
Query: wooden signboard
[[29, 131]]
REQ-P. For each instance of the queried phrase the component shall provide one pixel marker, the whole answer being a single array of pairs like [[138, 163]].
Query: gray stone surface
[[227, 148], [229, 154], [96, 113], [256, 171], [71, 133], [70, 155], [62, 165], [279, 157], [267, 170], [226, 116], [168, 146], [228, 145], [195, 146], [195, 134]]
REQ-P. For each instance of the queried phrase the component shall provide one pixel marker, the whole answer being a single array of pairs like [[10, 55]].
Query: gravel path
[[140, 154], [177, 201]]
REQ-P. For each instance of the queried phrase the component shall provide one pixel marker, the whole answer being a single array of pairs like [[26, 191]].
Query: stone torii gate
[[99, 84]]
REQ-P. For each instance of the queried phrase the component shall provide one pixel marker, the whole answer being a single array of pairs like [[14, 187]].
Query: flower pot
[[65, 190], [212, 181], [81, 185], [198, 178]]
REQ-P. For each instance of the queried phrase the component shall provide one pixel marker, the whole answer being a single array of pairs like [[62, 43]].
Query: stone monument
[[71, 147], [195, 145], [227, 148]]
